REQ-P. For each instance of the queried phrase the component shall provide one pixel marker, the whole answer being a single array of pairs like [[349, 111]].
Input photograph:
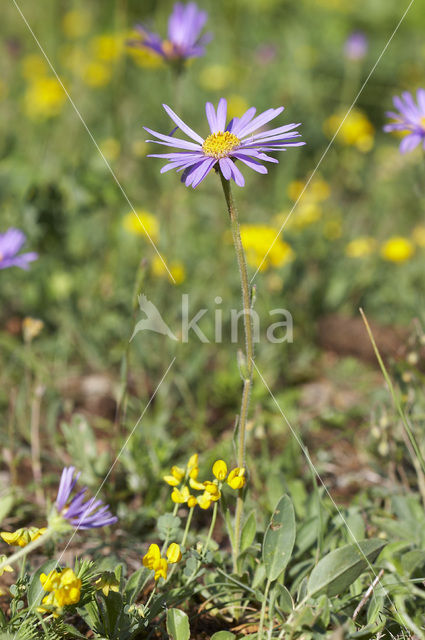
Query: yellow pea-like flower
[[193, 461], [107, 582], [192, 502], [152, 558], [194, 484], [236, 478], [19, 538], [161, 569], [220, 470], [178, 473], [204, 500], [213, 490], [7, 568], [173, 553], [171, 480], [180, 497]]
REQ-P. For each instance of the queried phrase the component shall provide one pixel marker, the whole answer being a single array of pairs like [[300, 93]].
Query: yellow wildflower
[[176, 269], [75, 23], [360, 247], [304, 214], [418, 235], [173, 553], [332, 229], [44, 98], [213, 489], [236, 478], [204, 500], [220, 469], [7, 568], [180, 496], [107, 582], [142, 224], [145, 58], [356, 130], [192, 502], [263, 249], [110, 148], [153, 560], [64, 588], [397, 249], [22, 537], [194, 484], [177, 475]]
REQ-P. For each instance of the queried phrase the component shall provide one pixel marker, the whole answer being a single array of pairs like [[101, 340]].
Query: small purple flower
[[184, 34], [80, 514], [356, 46], [410, 119], [11, 243], [225, 145]]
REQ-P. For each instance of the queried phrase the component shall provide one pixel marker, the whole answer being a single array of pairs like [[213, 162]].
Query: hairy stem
[[247, 368]]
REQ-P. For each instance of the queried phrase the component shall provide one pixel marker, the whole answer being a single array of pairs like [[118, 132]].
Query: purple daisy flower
[[356, 46], [80, 514], [225, 145], [184, 34], [11, 243], [409, 118]]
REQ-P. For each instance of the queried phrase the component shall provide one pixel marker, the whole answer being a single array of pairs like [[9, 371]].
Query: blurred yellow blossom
[[303, 215], [236, 106], [73, 58], [259, 240], [44, 98], [31, 327], [332, 229], [176, 269], [317, 190], [360, 247], [418, 235], [7, 568], [76, 23], [215, 77], [356, 130], [107, 47], [397, 249], [33, 65], [142, 224], [96, 74], [143, 56], [139, 148], [110, 148], [236, 478]]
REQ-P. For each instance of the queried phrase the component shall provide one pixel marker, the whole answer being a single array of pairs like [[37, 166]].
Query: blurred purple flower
[[184, 34], [356, 46], [80, 514], [225, 145], [409, 118], [11, 242]]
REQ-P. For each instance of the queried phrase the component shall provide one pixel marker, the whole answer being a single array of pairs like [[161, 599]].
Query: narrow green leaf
[[341, 567], [178, 625], [248, 531], [279, 538]]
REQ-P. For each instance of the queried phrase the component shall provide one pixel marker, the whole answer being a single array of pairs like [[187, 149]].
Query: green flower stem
[[187, 527], [247, 369], [24, 551], [167, 537], [263, 609], [211, 529]]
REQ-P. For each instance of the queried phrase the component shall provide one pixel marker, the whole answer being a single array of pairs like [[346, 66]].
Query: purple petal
[[11, 242], [221, 115], [179, 122], [410, 142], [260, 121], [243, 121], [211, 117], [176, 142], [250, 162]]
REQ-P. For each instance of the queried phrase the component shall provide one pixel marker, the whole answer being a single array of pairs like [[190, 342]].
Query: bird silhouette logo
[[153, 320]]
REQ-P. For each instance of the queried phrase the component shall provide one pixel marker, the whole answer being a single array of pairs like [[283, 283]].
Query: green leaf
[[341, 567], [279, 538], [248, 531], [6, 504], [223, 635], [285, 600], [178, 624], [35, 590]]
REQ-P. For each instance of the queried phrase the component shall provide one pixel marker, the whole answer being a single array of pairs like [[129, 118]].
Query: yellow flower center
[[219, 145]]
